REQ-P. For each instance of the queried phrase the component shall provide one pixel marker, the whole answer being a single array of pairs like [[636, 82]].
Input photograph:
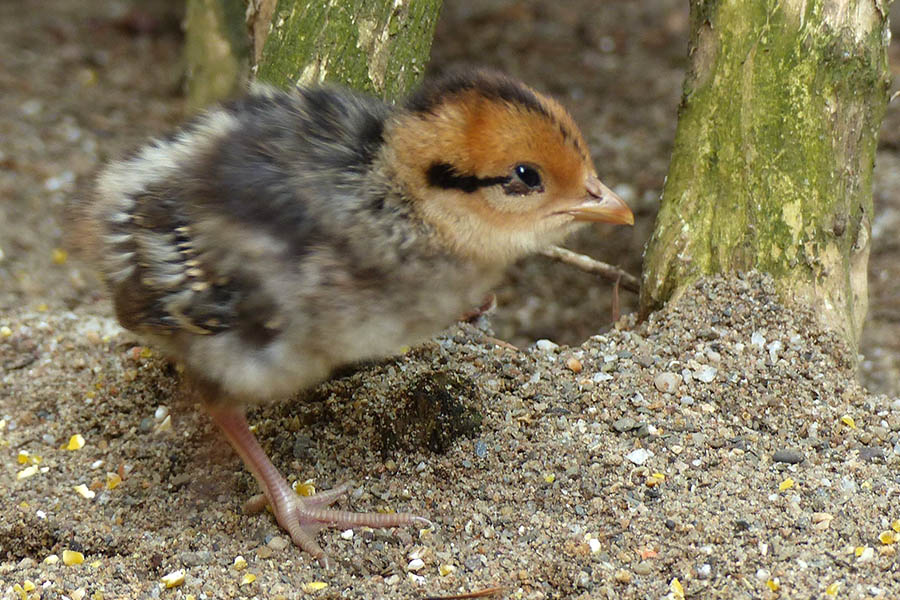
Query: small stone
[[704, 571], [416, 564], [706, 373], [709, 334], [639, 456], [667, 382], [848, 485], [774, 348], [789, 456], [278, 543], [871, 453], [643, 568], [303, 447], [546, 345], [623, 576], [480, 449], [624, 424], [758, 340]]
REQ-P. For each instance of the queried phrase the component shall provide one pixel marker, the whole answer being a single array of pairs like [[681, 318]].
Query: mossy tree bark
[[380, 46], [773, 156]]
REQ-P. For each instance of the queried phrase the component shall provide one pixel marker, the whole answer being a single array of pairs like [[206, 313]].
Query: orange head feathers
[[497, 168]]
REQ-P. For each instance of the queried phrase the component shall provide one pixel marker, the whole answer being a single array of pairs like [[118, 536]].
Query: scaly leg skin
[[301, 517]]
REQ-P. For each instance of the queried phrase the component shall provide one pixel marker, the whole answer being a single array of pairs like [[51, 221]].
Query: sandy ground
[[725, 443]]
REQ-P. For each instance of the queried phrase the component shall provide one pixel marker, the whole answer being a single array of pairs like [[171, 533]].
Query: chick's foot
[[301, 517]]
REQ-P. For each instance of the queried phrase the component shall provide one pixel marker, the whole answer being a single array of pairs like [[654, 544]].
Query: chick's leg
[[300, 517]]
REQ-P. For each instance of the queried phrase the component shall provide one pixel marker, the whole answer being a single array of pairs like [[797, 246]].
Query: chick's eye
[[525, 179], [528, 175]]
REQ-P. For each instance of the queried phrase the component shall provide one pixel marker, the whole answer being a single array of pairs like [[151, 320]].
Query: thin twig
[[486, 593], [590, 265], [615, 300]]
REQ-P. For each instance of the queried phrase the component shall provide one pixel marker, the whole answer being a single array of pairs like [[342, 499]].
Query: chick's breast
[[266, 243]]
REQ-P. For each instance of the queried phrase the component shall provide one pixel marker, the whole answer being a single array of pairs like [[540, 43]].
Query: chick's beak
[[601, 205]]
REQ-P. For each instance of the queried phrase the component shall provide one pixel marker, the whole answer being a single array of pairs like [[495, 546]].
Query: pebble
[[643, 568], [667, 382], [848, 485], [758, 340], [704, 571], [706, 374], [871, 453], [789, 456], [194, 559], [480, 449], [546, 345], [303, 446], [624, 424], [774, 348], [278, 543], [416, 564], [639, 456], [623, 576]]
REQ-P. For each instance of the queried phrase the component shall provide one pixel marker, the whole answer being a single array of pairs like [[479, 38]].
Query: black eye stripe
[[444, 176]]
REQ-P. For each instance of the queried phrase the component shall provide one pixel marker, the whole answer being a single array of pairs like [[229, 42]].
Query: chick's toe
[[301, 517]]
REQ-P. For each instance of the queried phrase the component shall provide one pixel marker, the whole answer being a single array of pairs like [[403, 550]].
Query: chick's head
[[496, 168]]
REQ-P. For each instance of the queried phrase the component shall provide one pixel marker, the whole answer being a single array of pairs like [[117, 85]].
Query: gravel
[[608, 464]]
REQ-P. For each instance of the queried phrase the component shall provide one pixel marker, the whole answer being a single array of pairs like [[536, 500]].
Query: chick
[[279, 236]]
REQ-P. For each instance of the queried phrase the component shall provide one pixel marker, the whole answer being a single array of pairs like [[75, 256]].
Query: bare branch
[[590, 265]]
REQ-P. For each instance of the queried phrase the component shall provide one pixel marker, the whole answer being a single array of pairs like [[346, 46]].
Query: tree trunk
[[216, 50], [773, 156], [380, 46]]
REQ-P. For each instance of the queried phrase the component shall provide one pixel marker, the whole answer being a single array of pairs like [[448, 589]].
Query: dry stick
[[590, 265], [479, 594], [615, 300]]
